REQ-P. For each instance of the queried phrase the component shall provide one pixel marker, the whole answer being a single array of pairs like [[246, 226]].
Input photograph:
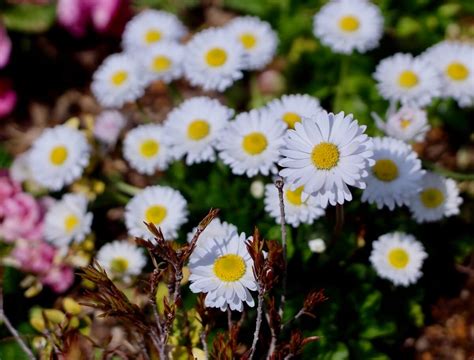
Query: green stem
[[127, 188], [448, 173], [340, 89]]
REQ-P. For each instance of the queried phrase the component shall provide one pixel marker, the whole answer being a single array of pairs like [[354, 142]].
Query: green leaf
[[340, 352], [29, 18], [379, 330]]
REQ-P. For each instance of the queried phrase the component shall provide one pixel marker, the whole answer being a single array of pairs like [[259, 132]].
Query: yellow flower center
[[457, 71], [291, 119], [294, 197], [349, 23], [254, 143], [385, 170], [408, 79], [229, 267], [58, 155], [70, 223], [432, 197], [155, 214], [325, 156], [149, 148], [216, 57], [398, 258], [119, 264], [119, 77], [161, 63], [198, 129], [404, 123], [248, 40], [152, 36]]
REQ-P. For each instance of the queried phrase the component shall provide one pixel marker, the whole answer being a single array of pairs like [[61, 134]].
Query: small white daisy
[[163, 61], [214, 60], [325, 154], [160, 205], [223, 270], [455, 63], [194, 128], [317, 246], [108, 125], [396, 175], [146, 149], [118, 80], [251, 142], [398, 257], [438, 198], [348, 25], [151, 27], [292, 108], [58, 157], [120, 259], [67, 220], [299, 209], [257, 38], [411, 80]]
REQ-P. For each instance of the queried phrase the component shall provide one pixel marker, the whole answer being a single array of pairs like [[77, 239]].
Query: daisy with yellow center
[[325, 154], [163, 61], [292, 108], [398, 257], [222, 268]]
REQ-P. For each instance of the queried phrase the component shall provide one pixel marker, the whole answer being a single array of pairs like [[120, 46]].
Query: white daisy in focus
[[396, 175], [214, 60], [398, 257], [411, 80], [251, 142], [108, 125], [121, 259], [194, 128], [58, 157], [292, 108], [118, 80], [160, 205], [163, 61], [223, 270], [67, 220], [299, 208], [146, 149], [325, 154], [257, 38], [151, 27], [348, 25], [438, 198]]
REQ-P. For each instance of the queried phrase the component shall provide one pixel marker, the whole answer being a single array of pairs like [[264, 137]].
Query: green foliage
[[29, 18]]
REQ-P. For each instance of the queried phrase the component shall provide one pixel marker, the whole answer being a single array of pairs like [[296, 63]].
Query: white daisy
[[396, 175], [299, 209], [455, 63], [251, 142], [325, 154], [438, 198], [67, 220], [118, 80], [146, 149], [120, 259], [214, 60], [163, 61], [160, 205], [348, 25], [58, 157], [151, 27], [398, 257], [411, 80], [257, 38], [224, 271], [194, 128], [292, 108]]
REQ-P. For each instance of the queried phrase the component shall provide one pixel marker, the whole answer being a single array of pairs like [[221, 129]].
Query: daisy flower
[[214, 60], [411, 80], [299, 209], [223, 270], [438, 198], [120, 259], [250, 144], [292, 108], [146, 150], [67, 220], [398, 257], [257, 38], [325, 154], [149, 28], [194, 128], [455, 63], [118, 80], [348, 25], [160, 205], [58, 157], [163, 61]]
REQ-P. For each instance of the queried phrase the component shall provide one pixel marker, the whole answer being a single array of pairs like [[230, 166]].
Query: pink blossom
[[8, 187], [59, 278], [108, 126], [7, 97], [34, 256], [74, 15], [5, 47]]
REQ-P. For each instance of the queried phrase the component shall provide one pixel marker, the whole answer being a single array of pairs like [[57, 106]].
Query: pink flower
[[59, 278], [8, 187], [7, 97], [108, 126], [5, 47], [34, 256]]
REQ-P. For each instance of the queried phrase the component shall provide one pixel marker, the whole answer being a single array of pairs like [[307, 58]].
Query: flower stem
[[339, 94]]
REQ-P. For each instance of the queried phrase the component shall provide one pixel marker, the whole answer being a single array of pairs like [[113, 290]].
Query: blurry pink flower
[[5, 47], [74, 15], [108, 125], [34, 256], [271, 82], [8, 187], [7, 97], [59, 278]]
